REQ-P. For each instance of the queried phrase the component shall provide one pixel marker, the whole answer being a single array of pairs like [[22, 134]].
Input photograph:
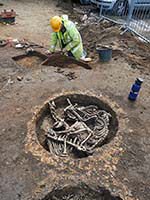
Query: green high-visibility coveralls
[[71, 39]]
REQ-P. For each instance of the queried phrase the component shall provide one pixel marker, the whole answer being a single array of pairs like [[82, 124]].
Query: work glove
[[64, 51], [48, 52]]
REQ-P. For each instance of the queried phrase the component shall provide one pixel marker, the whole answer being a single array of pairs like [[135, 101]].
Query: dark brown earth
[[58, 59], [27, 171], [83, 191]]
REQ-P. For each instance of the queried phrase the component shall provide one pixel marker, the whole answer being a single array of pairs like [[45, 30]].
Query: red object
[[8, 14]]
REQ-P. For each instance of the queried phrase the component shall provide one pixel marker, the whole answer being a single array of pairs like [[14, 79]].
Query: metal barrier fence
[[134, 15]]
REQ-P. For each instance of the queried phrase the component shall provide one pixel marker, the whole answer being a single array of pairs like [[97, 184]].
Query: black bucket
[[105, 53]]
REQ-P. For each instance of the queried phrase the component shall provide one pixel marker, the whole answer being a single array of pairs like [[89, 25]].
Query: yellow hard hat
[[56, 23]]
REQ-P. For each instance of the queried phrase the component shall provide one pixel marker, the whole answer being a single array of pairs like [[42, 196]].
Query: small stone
[[85, 17], [42, 185], [10, 81], [114, 167], [18, 110], [19, 78], [126, 180]]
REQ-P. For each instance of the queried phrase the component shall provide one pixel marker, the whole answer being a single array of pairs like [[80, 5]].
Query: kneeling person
[[66, 35]]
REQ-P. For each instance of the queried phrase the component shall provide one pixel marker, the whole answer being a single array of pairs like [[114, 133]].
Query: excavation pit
[[33, 59], [83, 192], [30, 60], [75, 125]]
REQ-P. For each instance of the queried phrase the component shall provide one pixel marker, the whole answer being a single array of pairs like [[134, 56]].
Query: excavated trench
[[30, 60], [33, 59], [75, 125], [81, 192]]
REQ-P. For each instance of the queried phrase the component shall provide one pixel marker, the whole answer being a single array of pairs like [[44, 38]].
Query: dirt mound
[[60, 60], [94, 34], [127, 45]]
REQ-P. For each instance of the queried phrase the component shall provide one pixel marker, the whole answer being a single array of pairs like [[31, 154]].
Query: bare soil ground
[[122, 166], [32, 20]]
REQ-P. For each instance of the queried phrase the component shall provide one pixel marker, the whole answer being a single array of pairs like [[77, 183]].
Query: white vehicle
[[107, 4], [120, 5]]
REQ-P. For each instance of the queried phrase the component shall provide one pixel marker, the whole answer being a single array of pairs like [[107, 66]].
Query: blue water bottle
[[135, 89]]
